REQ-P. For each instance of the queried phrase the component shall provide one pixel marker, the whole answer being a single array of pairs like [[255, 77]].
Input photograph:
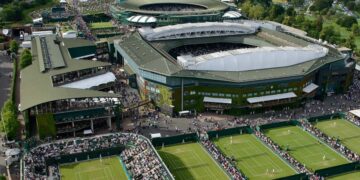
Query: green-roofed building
[[231, 66], [72, 89], [168, 12]]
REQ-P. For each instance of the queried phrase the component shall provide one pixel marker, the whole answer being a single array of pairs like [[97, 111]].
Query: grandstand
[[167, 12], [134, 153], [226, 66]]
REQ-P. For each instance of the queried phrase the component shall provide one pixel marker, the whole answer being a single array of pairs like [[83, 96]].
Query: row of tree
[[14, 10], [9, 122]]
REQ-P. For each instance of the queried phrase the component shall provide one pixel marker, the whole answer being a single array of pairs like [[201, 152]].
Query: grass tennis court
[[107, 168], [253, 157], [101, 25], [305, 148], [348, 133], [191, 161], [354, 175]]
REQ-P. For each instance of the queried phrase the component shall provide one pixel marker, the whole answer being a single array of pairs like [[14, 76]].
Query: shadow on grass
[[180, 166]]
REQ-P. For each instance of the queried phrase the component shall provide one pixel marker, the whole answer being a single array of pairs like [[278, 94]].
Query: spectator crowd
[[224, 161], [140, 158], [332, 141]]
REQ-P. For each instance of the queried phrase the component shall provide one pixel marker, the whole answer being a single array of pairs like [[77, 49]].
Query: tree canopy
[[9, 123], [14, 46], [25, 59]]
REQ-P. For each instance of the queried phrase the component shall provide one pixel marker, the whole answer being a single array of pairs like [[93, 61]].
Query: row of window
[[228, 95]]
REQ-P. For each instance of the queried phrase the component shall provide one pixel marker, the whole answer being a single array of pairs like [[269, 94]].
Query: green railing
[[301, 176], [279, 124], [331, 171], [326, 117], [166, 141], [230, 131]]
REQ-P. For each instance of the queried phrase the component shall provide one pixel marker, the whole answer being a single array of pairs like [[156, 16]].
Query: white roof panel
[[271, 97], [310, 88], [92, 81], [355, 112], [218, 100]]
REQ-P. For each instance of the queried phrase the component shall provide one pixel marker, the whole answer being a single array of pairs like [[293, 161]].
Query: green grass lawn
[[354, 175], [253, 157], [305, 148], [191, 161], [107, 168], [99, 25], [348, 133]]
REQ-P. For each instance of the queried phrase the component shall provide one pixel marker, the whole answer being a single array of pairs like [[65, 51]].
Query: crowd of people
[[172, 7], [139, 156], [142, 162], [224, 161], [202, 49], [283, 153], [332, 141], [95, 6], [355, 120]]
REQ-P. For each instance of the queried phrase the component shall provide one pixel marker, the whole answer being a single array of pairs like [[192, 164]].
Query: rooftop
[[153, 56], [37, 87], [200, 6]]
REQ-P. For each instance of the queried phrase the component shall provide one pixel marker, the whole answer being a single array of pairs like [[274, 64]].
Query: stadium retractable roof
[[253, 58], [193, 30]]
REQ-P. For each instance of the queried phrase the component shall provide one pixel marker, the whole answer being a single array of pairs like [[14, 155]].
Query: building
[[222, 66], [65, 89], [168, 12]]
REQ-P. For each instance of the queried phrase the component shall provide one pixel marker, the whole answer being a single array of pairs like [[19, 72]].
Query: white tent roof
[[38, 20], [184, 112], [232, 14], [355, 112], [92, 81], [271, 97], [142, 19], [217, 100], [155, 135], [310, 88], [88, 131], [12, 152], [357, 67], [252, 58]]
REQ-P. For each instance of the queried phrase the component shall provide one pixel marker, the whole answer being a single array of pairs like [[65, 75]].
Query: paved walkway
[[6, 67]]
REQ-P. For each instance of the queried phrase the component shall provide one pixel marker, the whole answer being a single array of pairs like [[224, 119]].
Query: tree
[[25, 59], [257, 12], [246, 6], [319, 23], [350, 43], [355, 30], [14, 46], [9, 123], [319, 5], [290, 11], [275, 11], [346, 21], [297, 3], [11, 12], [329, 34]]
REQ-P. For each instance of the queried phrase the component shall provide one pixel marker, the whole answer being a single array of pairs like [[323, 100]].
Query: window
[[261, 93], [278, 91], [221, 94], [267, 92], [244, 95], [192, 92], [255, 94], [273, 92]]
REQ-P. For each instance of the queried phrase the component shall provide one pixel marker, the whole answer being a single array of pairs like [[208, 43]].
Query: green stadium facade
[[269, 66], [169, 12]]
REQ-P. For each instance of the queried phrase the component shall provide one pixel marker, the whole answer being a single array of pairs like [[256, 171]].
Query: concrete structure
[[216, 68]]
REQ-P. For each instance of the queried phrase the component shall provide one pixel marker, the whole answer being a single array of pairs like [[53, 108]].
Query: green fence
[[70, 158], [279, 124], [174, 139], [230, 131], [301, 176], [338, 169], [326, 117]]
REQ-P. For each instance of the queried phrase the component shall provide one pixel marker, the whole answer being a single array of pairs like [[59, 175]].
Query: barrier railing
[[331, 171], [166, 141], [326, 117], [230, 131]]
